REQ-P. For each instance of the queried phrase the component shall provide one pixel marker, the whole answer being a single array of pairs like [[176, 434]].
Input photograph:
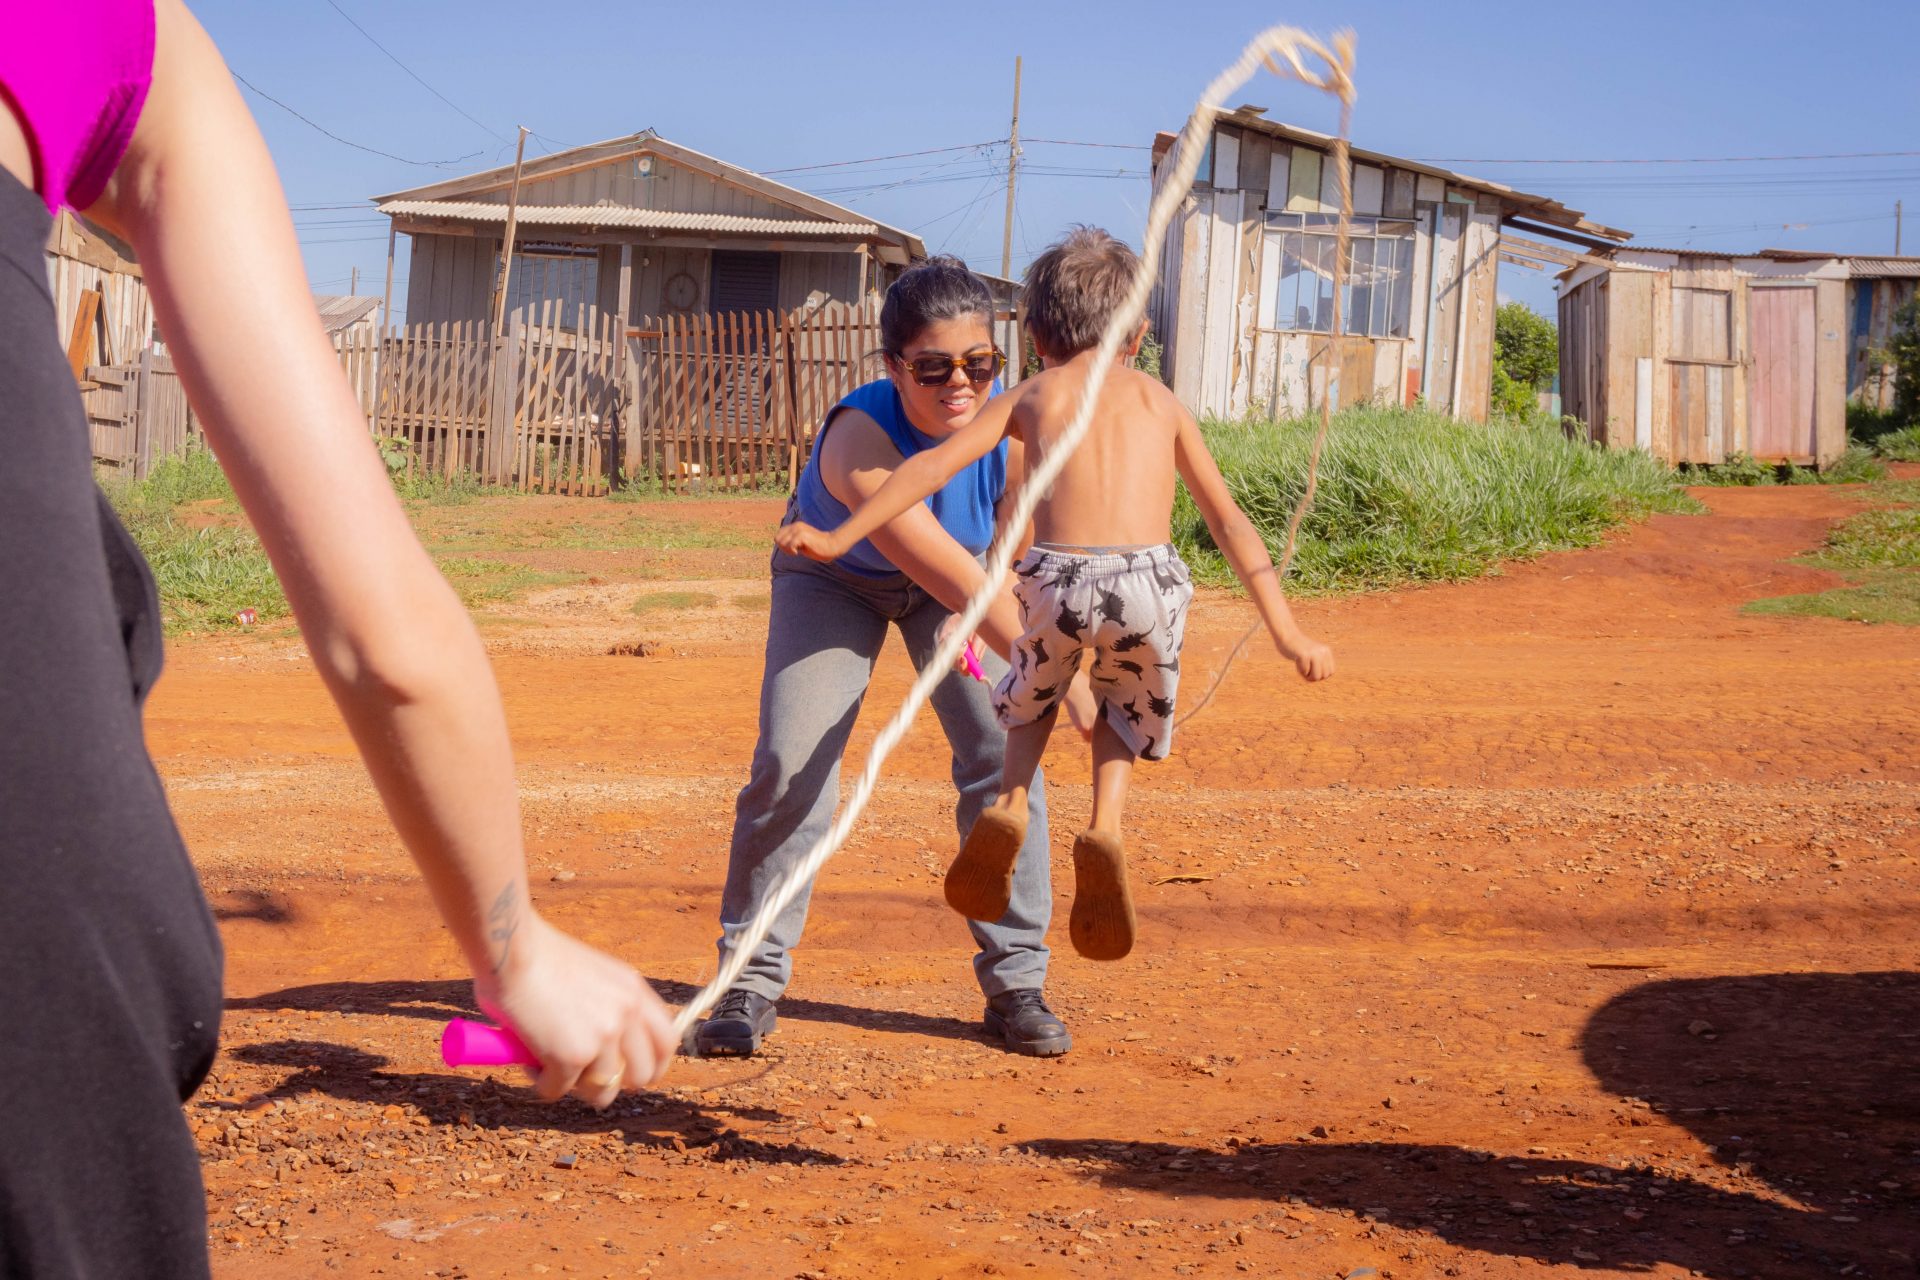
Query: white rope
[[1283, 43]]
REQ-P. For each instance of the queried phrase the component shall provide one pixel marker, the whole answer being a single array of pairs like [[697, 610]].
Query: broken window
[[1377, 295]]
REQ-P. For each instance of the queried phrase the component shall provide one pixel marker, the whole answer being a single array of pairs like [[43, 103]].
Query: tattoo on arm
[[503, 920]]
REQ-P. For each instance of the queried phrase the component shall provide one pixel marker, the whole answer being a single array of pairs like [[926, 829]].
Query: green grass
[[656, 601], [1879, 549], [1902, 445], [205, 575], [1890, 596], [480, 581], [1858, 465], [1413, 496]]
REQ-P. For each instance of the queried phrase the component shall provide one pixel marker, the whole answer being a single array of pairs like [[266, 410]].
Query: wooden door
[[1781, 381]]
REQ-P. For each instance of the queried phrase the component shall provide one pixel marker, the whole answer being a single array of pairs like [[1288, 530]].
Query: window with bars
[[1377, 297]]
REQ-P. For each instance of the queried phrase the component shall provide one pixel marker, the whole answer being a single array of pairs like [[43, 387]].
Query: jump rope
[[1286, 52]]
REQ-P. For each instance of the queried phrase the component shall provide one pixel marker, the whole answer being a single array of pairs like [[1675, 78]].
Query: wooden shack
[[1697, 356], [1876, 289], [1244, 302], [637, 226], [100, 300]]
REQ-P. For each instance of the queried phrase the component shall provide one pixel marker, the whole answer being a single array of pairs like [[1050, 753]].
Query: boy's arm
[[914, 480], [1240, 542]]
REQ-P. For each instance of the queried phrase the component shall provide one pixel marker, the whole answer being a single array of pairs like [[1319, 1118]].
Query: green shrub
[[1900, 446], [1903, 353], [1512, 399], [1407, 495], [1525, 345]]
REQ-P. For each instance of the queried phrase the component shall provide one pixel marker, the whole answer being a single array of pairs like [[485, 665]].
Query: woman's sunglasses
[[936, 370]]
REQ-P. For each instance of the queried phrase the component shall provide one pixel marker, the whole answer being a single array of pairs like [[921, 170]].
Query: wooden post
[[138, 407], [353, 284], [386, 300], [506, 245], [1013, 163]]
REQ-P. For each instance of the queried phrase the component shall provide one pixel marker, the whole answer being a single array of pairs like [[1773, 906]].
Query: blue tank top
[[964, 507]]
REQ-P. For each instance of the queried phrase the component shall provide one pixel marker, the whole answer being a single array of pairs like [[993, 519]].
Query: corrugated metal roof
[[1879, 268], [603, 215], [1544, 208], [338, 311]]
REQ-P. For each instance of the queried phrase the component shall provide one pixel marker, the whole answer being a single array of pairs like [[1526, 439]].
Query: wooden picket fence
[[566, 401], [733, 400], [137, 413]]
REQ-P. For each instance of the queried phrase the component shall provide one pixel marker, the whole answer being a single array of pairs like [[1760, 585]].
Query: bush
[[1525, 346], [1901, 446], [1407, 495], [1903, 353], [1512, 399]]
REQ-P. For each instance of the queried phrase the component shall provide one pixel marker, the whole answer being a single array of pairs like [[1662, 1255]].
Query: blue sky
[[779, 86]]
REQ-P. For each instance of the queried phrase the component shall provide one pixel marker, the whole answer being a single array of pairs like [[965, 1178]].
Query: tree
[[1526, 354]]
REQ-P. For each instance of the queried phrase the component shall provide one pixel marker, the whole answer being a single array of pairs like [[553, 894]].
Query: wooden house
[[100, 299], [1696, 356], [1876, 288], [638, 226], [1244, 302]]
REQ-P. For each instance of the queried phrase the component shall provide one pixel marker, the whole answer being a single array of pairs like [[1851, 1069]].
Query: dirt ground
[[1569, 930]]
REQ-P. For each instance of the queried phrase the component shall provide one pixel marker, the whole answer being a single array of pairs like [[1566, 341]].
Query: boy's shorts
[[1130, 608]]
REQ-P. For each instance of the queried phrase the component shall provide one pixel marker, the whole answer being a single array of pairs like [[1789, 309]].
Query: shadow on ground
[[656, 1121], [440, 1000], [1805, 1085]]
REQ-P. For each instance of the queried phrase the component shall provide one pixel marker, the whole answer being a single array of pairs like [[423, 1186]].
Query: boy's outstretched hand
[[802, 539], [1312, 659]]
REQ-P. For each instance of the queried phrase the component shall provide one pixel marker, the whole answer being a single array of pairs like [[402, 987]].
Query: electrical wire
[[409, 70], [424, 164]]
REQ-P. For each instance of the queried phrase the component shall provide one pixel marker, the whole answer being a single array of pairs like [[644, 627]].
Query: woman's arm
[[1240, 542], [198, 198]]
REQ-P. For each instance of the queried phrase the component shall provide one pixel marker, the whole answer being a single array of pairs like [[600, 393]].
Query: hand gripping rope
[[1283, 51]]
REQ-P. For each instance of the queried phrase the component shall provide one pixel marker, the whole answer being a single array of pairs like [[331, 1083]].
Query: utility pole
[[1896, 228], [506, 246], [353, 289], [1013, 163]]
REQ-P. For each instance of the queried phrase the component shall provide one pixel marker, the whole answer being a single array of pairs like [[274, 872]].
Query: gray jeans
[[824, 637]]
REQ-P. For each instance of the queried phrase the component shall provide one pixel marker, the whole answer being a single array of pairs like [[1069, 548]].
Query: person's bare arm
[[1240, 542], [913, 481], [198, 198], [855, 460]]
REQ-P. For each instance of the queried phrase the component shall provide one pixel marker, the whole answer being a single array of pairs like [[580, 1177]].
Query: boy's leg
[[1102, 924], [1112, 775], [1013, 949], [980, 882]]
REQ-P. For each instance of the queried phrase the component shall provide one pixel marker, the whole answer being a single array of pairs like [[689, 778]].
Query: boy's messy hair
[[1073, 288]]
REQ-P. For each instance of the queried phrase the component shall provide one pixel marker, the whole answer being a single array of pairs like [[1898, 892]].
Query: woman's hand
[[592, 1021], [802, 539]]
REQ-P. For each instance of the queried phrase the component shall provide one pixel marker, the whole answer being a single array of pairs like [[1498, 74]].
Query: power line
[[1835, 155], [424, 164], [404, 67], [1115, 146], [901, 155]]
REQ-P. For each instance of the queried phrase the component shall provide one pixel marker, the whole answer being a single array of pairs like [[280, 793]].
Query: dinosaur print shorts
[[1130, 608]]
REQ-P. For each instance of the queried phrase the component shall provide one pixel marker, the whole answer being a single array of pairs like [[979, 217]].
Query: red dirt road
[[1570, 930]]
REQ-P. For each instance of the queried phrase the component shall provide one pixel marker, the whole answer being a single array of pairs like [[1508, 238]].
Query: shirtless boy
[[1102, 574]]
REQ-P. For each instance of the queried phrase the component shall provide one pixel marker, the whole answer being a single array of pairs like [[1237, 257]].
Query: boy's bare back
[[1117, 488]]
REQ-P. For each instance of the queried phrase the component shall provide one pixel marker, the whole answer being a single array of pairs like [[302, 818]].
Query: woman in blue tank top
[[827, 628]]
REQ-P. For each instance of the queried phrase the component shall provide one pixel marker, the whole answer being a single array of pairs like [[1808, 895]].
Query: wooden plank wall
[[1214, 300], [1870, 307]]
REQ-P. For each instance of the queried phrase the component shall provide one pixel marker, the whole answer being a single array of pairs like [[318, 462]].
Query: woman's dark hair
[[941, 288]]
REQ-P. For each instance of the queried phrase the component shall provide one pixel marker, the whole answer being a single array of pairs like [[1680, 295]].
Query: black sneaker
[[734, 1028], [1021, 1019]]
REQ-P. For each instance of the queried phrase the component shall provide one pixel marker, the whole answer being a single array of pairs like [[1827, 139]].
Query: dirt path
[[1570, 930]]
